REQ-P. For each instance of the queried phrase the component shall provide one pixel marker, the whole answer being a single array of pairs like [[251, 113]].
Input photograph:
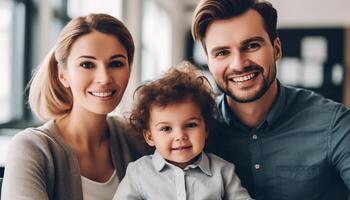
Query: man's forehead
[[236, 29]]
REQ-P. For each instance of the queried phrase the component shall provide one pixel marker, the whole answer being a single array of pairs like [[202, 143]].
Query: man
[[286, 143]]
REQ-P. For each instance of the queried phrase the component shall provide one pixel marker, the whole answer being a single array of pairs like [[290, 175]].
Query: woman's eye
[[116, 63], [87, 65]]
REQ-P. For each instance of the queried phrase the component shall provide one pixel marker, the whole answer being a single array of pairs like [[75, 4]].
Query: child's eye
[[191, 125], [87, 65], [116, 63], [165, 129]]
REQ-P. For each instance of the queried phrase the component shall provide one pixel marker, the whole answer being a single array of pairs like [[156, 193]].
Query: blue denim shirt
[[300, 151]]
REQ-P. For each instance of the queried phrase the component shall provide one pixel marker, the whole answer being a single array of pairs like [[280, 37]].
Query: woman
[[79, 152]]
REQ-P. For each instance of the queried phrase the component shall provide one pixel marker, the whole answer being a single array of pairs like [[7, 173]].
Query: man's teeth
[[244, 78], [102, 94]]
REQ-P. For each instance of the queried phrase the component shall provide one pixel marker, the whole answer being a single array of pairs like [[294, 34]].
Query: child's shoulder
[[142, 162], [216, 161]]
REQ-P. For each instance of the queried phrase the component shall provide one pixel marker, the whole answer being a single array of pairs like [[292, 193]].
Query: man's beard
[[267, 82]]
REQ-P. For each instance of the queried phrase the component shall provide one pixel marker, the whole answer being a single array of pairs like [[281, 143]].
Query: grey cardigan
[[40, 165]]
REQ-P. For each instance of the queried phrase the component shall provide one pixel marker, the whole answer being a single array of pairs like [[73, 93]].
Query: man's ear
[[148, 137], [277, 48], [62, 76]]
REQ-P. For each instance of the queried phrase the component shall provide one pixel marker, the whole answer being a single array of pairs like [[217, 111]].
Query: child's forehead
[[173, 102]]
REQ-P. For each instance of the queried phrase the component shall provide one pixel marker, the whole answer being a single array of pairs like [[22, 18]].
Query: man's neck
[[254, 113]]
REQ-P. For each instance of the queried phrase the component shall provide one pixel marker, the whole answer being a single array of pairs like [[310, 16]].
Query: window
[[313, 58], [5, 62], [156, 40], [84, 7]]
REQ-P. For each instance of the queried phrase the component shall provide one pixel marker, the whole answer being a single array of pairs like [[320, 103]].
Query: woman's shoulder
[[32, 133], [40, 137]]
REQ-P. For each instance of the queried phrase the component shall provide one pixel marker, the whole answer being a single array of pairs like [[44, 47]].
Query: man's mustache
[[247, 69]]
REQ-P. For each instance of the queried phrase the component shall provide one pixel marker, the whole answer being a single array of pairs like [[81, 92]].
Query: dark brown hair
[[207, 11], [177, 84]]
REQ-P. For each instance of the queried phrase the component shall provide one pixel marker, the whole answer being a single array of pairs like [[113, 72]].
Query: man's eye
[[116, 64], [252, 46], [87, 65], [221, 53]]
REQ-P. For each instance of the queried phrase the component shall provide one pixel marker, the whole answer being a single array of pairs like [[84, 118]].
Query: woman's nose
[[103, 75]]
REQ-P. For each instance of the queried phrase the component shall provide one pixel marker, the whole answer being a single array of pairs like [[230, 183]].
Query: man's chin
[[248, 99]]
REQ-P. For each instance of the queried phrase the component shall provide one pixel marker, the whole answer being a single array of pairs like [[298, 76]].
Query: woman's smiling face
[[97, 72]]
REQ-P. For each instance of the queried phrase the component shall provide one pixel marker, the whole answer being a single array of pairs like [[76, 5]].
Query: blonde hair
[[48, 98]]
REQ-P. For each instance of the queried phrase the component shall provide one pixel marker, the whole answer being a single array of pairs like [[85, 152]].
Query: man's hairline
[[202, 40]]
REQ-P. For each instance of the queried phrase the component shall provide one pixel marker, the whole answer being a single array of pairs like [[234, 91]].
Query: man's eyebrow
[[244, 42], [218, 48], [253, 39]]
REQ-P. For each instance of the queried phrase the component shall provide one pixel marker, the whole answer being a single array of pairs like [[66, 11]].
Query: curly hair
[[176, 85]]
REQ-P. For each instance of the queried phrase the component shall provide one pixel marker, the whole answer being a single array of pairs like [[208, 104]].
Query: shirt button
[[255, 137], [257, 166]]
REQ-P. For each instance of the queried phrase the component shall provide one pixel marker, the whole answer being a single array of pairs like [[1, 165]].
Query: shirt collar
[[202, 163], [228, 117], [278, 106], [158, 161]]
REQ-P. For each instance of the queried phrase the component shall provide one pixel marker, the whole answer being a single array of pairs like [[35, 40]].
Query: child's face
[[177, 131]]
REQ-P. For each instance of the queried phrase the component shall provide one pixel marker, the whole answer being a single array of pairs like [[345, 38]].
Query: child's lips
[[181, 148]]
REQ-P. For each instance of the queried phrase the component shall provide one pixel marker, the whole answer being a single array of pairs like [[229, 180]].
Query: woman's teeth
[[102, 94]]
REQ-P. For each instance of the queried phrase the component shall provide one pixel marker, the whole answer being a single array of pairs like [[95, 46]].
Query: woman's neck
[[83, 129]]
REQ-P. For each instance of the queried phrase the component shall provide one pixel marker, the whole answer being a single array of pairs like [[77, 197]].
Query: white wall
[[312, 13], [305, 13]]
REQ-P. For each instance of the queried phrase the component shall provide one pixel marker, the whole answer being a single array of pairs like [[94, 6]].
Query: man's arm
[[339, 143]]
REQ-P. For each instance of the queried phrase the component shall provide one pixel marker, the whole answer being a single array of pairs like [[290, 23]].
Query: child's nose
[[181, 135]]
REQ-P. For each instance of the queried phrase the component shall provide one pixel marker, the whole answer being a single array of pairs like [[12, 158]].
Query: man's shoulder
[[218, 161], [301, 97]]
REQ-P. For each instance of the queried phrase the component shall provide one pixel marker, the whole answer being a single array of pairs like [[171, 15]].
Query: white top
[[93, 190]]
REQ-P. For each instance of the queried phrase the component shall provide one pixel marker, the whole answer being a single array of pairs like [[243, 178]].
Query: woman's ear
[[148, 138], [277, 48], [62, 76]]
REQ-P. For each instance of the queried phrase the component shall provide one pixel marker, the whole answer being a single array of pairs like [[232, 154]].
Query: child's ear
[[148, 137]]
